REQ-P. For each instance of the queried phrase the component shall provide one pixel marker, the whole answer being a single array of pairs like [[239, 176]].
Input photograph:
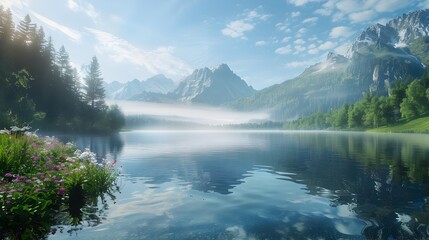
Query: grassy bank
[[420, 125], [44, 183]]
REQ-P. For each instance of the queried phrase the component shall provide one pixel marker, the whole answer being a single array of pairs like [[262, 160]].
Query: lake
[[261, 185]]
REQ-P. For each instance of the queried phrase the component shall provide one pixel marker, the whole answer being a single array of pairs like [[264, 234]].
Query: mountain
[[320, 87], [215, 86], [110, 88], [379, 56], [157, 84]]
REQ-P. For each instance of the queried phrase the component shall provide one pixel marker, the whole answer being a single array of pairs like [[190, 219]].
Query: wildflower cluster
[[40, 177]]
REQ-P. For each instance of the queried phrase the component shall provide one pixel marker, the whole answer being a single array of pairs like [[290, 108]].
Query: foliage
[[419, 125], [40, 87], [408, 101], [94, 90], [42, 178]]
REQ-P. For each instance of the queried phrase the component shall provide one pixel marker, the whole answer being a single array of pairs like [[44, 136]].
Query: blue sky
[[264, 42]]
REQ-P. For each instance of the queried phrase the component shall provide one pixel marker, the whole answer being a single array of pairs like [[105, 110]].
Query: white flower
[[88, 155], [4, 131], [403, 218]]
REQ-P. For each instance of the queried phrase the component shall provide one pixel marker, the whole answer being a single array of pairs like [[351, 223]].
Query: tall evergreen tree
[[94, 90], [76, 87], [24, 30], [7, 28]]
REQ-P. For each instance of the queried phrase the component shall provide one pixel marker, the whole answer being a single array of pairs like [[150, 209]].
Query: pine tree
[[65, 69], [76, 87], [7, 28], [94, 90], [24, 30]]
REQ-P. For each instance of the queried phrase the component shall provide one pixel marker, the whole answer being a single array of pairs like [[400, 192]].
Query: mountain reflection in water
[[266, 185]]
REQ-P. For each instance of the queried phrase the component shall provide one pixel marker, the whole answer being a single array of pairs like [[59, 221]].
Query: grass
[[419, 125]]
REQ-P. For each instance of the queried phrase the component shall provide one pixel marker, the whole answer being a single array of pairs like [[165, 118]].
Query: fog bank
[[189, 113]]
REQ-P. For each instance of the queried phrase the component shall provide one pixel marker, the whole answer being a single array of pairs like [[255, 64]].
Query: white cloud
[[260, 43], [85, 7], [284, 27], [310, 20], [313, 51], [299, 41], [160, 60], [286, 39], [301, 2], [337, 17], [362, 11], [327, 8], [348, 6], [296, 64], [295, 14], [424, 4], [327, 45], [300, 48], [253, 14], [73, 34], [237, 28], [323, 11], [363, 16], [341, 31], [284, 50], [314, 38], [390, 5], [300, 32]]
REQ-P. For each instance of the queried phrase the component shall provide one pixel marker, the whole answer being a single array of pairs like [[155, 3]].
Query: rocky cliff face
[[380, 55], [214, 86]]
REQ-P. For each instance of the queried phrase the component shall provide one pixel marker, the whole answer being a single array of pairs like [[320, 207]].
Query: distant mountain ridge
[[214, 86], [211, 86], [380, 55], [158, 84]]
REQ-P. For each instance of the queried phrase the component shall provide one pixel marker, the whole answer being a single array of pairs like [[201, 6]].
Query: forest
[[41, 89], [406, 101]]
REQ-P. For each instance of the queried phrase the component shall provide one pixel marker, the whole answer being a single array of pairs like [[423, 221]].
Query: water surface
[[263, 185]]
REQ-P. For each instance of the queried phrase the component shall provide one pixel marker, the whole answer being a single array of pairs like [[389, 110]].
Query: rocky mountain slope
[[379, 56], [214, 86]]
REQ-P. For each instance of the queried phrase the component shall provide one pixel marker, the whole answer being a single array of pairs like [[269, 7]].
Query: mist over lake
[[194, 113]]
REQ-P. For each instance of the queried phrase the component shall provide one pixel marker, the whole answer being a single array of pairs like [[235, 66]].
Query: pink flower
[[47, 180], [8, 175], [61, 191]]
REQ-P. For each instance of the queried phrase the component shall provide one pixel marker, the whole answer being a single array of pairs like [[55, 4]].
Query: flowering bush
[[41, 178]]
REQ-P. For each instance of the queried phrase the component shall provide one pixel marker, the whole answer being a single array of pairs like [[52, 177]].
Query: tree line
[[39, 86], [406, 101]]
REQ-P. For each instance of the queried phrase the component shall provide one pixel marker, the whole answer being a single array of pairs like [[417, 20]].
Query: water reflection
[[110, 145], [242, 185]]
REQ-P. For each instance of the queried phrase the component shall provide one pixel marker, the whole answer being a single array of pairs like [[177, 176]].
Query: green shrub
[[42, 178]]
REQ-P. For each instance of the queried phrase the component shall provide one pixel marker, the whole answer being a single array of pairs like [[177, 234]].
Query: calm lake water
[[262, 185]]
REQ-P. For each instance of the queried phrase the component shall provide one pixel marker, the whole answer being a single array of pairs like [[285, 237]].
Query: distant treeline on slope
[[40, 88], [406, 101]]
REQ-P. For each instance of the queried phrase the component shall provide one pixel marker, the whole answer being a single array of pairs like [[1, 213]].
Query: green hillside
[[419, 125]]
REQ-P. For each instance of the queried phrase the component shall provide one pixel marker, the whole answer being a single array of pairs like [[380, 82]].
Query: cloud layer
[[156, 61]]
